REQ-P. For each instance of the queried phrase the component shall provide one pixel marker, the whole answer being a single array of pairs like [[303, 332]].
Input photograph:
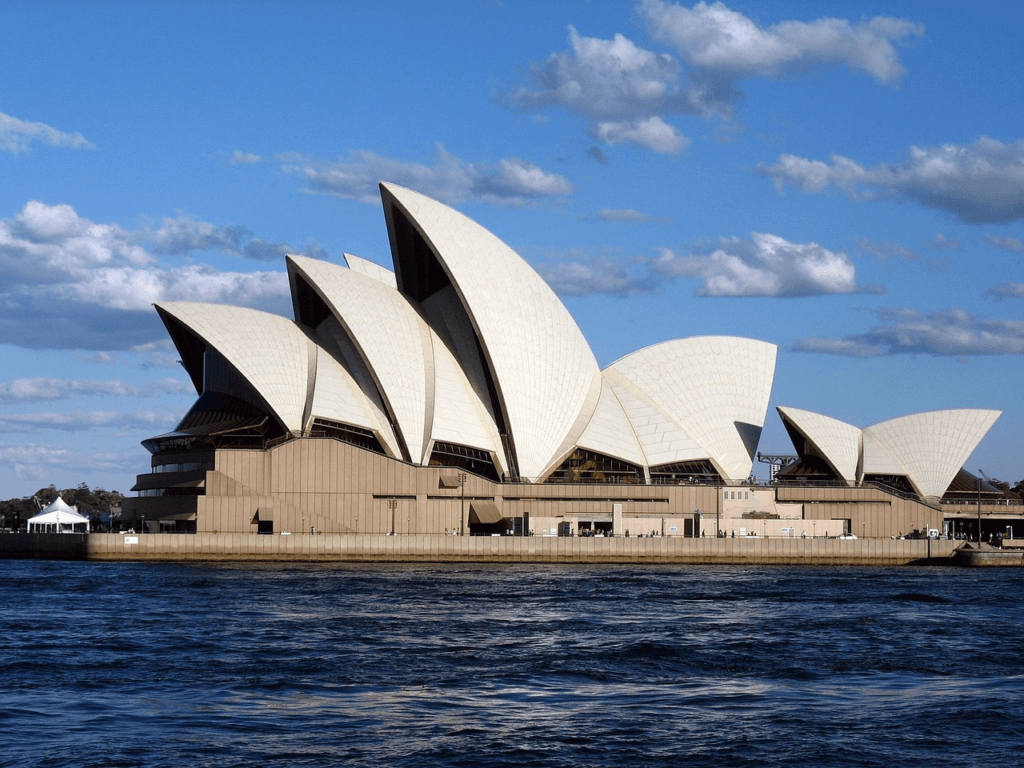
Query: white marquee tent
[[58, 517]]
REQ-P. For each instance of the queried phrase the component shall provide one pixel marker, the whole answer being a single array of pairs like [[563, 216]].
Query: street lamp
[[462, 483], [979, 511], [392, 504]]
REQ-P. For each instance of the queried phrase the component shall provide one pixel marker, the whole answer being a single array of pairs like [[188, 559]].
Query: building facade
[[456, 394]]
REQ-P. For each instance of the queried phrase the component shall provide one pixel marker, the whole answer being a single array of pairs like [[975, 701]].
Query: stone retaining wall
[[454, 549]]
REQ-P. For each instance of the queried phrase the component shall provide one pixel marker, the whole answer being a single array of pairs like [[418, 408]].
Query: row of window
[[173, 492], [184, 467]]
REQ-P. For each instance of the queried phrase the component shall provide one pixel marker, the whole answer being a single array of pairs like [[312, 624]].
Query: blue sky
[[845, 180]]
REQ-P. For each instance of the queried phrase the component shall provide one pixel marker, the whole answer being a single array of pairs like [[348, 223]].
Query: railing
[[1002, 502], [870, 484]]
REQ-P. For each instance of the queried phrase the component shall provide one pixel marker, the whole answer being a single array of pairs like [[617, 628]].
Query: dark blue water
[[313, 665]]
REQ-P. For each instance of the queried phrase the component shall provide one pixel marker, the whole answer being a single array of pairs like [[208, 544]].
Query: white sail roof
[[421, 381], [931, 447], [546, 377], [337, 396], [610, 432], [371, 269], [270, 352], [837, 442], [926, 448], [391, 338], [713, 390]]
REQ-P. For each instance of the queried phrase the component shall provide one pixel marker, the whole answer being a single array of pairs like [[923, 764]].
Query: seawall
[[352, 548]]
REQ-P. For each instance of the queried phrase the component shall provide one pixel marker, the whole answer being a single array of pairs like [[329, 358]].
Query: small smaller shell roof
[[837, 442], [392, 339], [927, 448], [421, 380], [269, 351]]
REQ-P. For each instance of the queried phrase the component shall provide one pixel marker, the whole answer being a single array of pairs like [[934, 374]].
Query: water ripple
[[316, 665]]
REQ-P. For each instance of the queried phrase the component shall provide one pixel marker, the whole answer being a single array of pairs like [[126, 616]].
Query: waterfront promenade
[[473, 549]]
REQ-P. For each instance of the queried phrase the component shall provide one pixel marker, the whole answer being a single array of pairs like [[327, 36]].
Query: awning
[[485, 512], [449, 481], [179, 516], [189, 479]]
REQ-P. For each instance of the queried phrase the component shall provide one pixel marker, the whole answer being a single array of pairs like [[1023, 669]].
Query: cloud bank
[[907, 332], [17, 136], [42, 389], [765, 265], [69, 283], [980, 183], [628, 92], [508, 182]]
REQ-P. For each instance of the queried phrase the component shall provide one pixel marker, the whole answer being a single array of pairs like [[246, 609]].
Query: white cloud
[[628, 91], [765, 265], [184, 234], [85, 421], [585, 277], [1006, 291], [1006, 243], [509, 182], [885, 251], [160, 353], [718, 39], [41, 462], [42, 389], [905, 331], [18, 135], [129, 289], [608, 80], [33, 462], [943, 243], [238, 157], [67, 282], [980, 183], [653, 133], [629, 216], [844, 347]]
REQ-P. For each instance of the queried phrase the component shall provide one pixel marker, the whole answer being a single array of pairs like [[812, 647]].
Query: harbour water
[[141, 664]]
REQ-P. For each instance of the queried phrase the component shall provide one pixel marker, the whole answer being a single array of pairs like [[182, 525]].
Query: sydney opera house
[[457, 395]]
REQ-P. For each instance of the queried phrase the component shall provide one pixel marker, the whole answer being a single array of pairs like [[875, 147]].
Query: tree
[[92, 503]]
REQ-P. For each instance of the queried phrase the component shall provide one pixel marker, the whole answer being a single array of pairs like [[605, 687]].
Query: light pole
[[462, 483], [718, 506], [392, 504], [979, 512]]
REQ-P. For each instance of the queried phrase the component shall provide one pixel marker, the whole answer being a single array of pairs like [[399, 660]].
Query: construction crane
[[776, 462]]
